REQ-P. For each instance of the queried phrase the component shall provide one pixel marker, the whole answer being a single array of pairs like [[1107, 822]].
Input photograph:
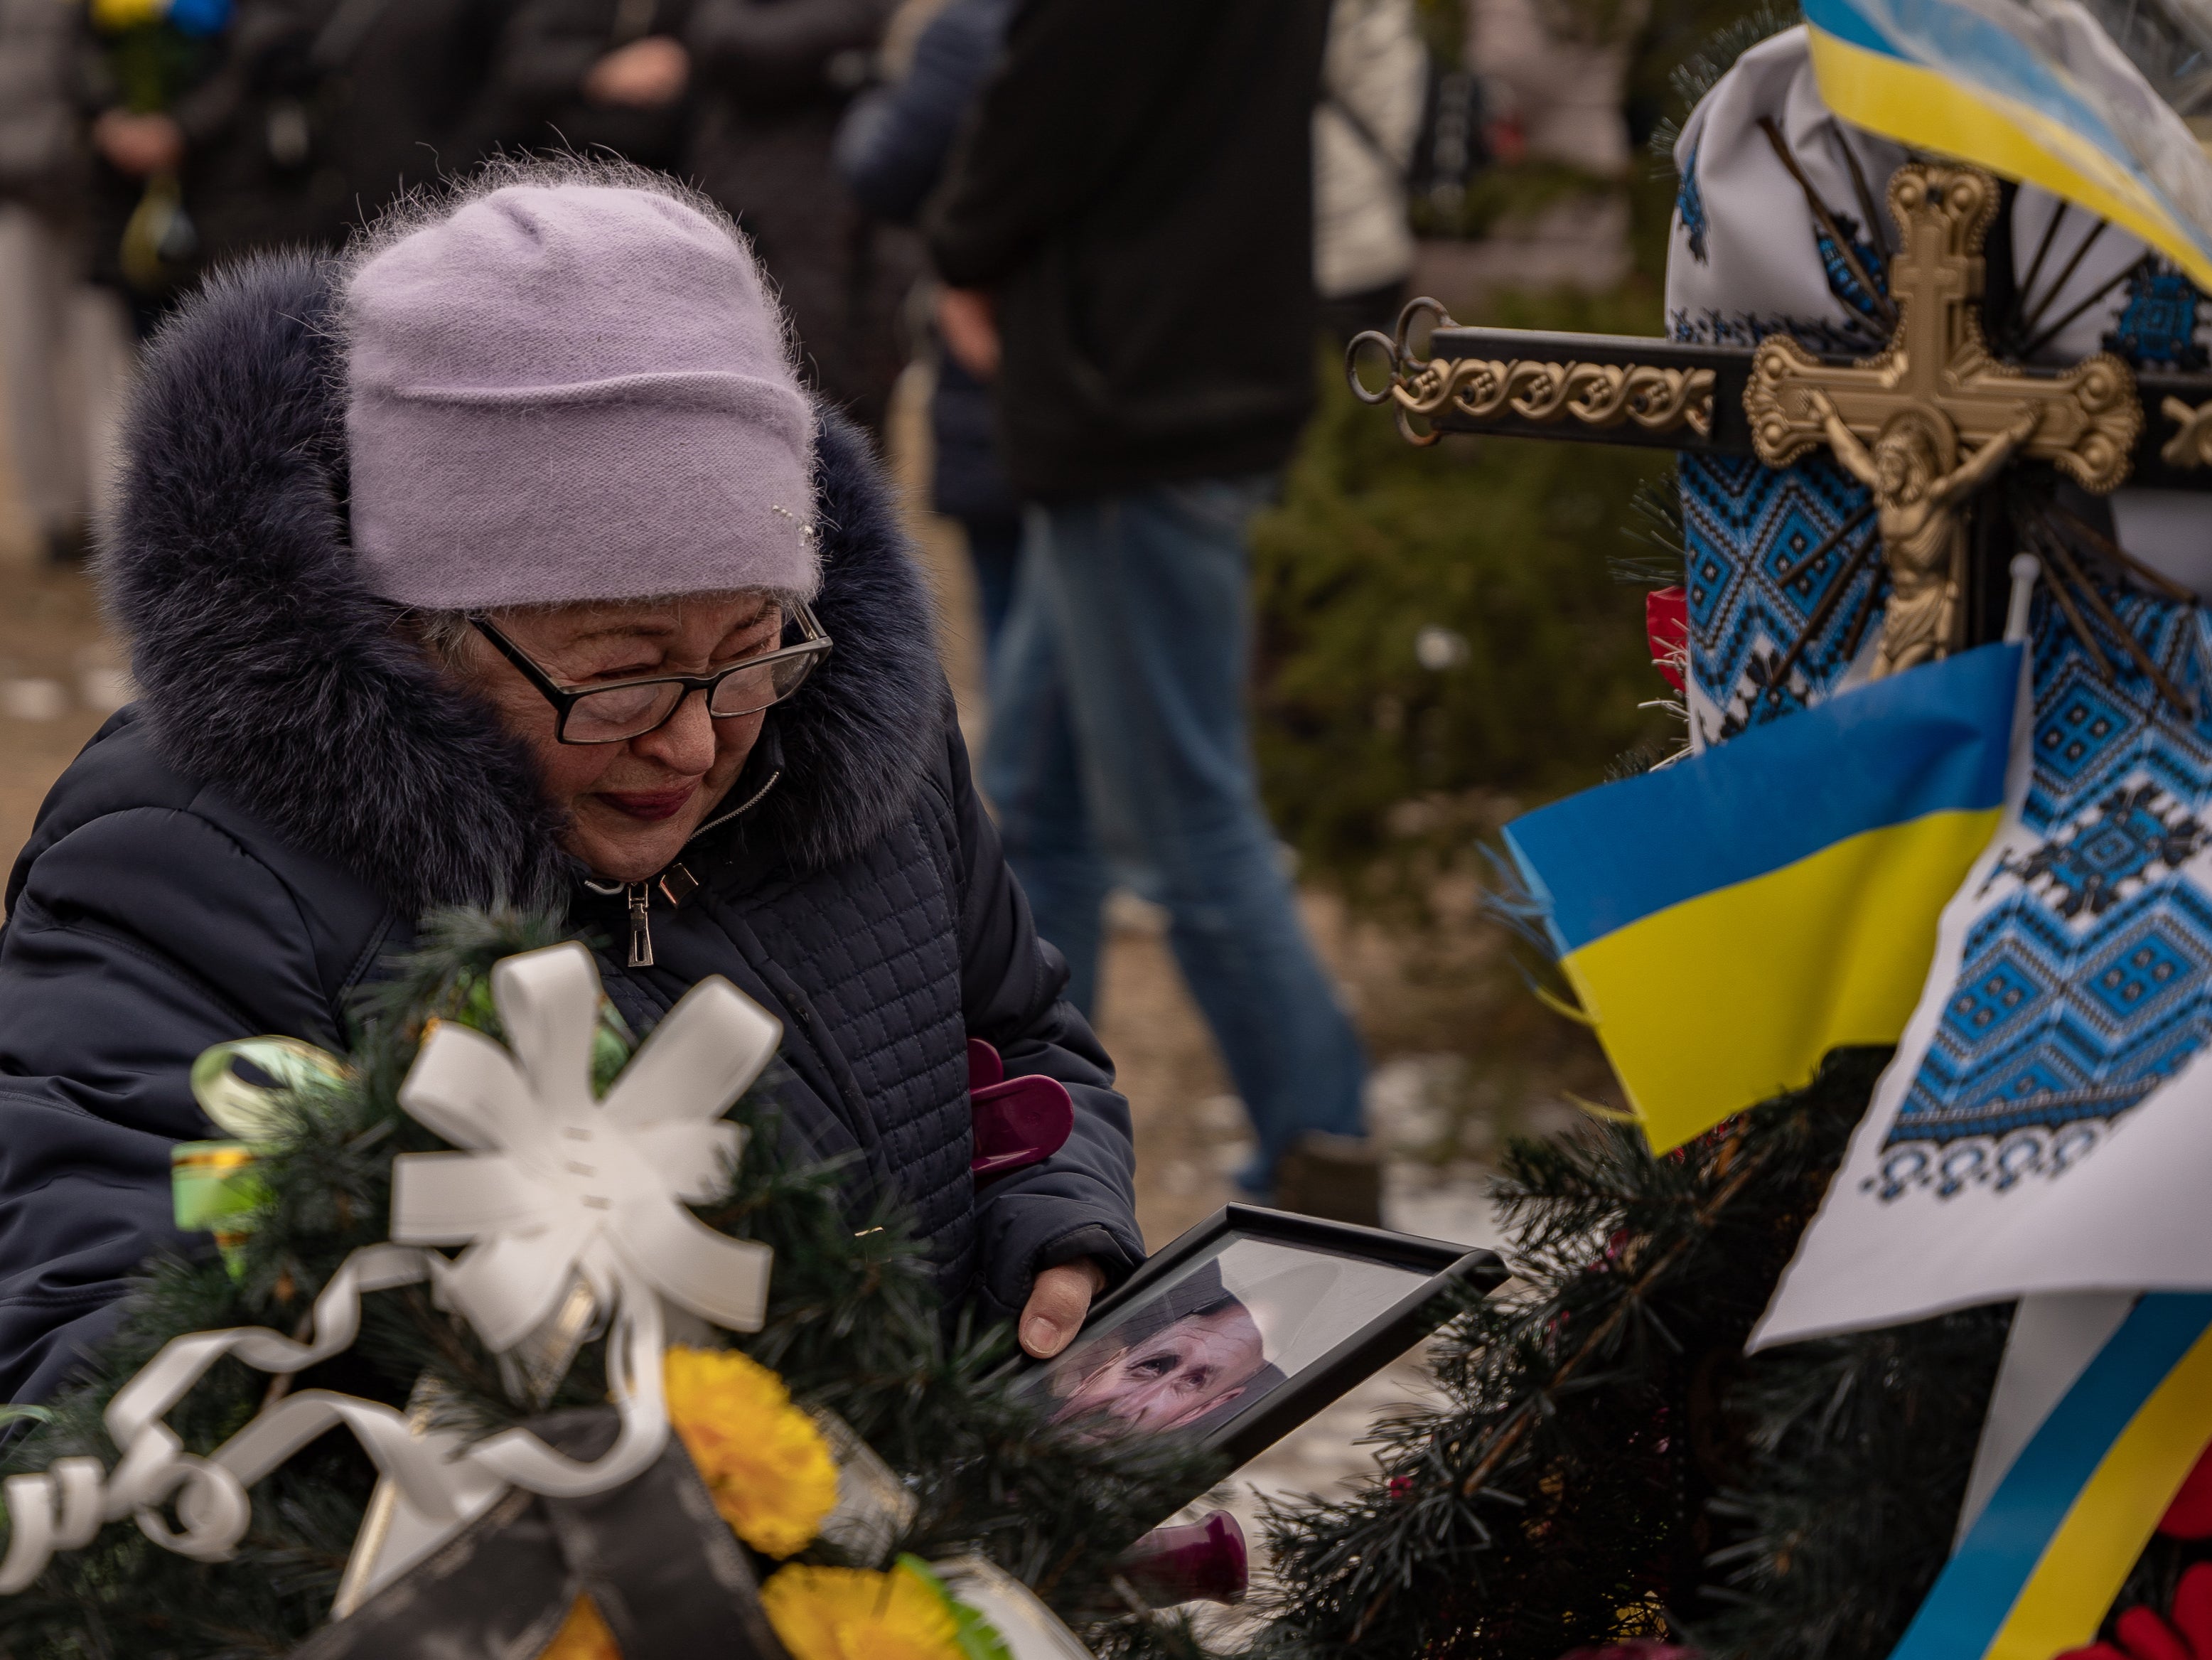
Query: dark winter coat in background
[[312, 114], [1137, 190], [547, 49], [243, 849], [771, 79], [892, 150]]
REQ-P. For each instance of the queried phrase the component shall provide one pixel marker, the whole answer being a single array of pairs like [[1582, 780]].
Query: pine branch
[[853, 1323]]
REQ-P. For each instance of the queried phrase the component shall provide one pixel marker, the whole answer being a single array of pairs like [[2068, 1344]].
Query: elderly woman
[[505, 559]]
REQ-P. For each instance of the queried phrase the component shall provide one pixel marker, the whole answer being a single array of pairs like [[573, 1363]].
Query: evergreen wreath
[[853, 1326], [1608, 1466]]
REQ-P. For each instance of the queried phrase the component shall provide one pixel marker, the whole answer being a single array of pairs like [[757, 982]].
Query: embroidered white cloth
[[2047, 1125], [1748, 257]]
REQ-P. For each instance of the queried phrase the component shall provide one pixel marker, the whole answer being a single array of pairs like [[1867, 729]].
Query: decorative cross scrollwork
[[1568, 393], [1598, 395], [2191, 447]]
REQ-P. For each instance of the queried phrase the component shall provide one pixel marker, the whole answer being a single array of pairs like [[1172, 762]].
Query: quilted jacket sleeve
[[1082, 1200], [134, 942]]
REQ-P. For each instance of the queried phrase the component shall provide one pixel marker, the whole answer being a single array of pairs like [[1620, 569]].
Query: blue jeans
[[994, 551], [1118, 752]]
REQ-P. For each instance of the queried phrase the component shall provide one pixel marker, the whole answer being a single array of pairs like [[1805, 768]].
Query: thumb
[[1058, 1302]]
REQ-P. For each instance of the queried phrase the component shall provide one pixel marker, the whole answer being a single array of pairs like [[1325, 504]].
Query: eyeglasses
[[630, 709]]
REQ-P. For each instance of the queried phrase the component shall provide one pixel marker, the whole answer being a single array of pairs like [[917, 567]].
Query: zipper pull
[[640, 925]]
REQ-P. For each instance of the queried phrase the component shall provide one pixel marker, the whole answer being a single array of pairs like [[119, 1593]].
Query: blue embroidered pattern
[[2157, 326], [2082, 986], [1841, 284], [1745, 526], [1851, 336], [1690, 208]]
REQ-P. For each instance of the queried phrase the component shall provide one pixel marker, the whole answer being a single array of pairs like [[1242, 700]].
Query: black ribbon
[[669, 1576]]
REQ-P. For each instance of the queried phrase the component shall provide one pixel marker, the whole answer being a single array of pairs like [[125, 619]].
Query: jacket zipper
[[638, 896]]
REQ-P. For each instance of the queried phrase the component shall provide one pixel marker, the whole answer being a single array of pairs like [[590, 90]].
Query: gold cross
[[1937, 366], [1900, 421]]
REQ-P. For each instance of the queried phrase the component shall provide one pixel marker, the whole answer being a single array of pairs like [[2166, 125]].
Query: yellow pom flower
[[762, 1458], [115, 16], [854, 1613], [583, 1636]]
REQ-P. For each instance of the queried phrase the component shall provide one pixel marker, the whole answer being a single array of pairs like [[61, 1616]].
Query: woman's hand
[[1058, 1302], [645, 75], [139, 145]]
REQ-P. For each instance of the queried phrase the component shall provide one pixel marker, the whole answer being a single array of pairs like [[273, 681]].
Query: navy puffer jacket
[[243, 849]]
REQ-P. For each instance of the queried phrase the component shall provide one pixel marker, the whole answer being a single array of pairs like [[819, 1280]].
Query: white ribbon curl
[[553, 1184], [63, 1508]]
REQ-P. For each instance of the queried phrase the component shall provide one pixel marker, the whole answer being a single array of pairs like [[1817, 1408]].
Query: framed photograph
[[1251, 1322]]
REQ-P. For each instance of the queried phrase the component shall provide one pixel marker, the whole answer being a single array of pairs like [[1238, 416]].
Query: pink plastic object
[[1667, 623], [1019, 1120], [1199, 1561]]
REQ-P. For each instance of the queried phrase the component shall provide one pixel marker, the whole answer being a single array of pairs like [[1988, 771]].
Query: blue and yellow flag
[[1728, 920], [2039, 94], [2036, 1574]]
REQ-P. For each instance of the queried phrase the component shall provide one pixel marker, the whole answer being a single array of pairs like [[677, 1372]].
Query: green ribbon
[[214, 1187]]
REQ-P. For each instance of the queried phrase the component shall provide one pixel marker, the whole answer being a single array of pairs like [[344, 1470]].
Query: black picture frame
[[1452, 1273]]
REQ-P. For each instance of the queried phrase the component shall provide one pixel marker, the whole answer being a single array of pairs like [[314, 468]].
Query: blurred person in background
[[1375, 81], [222, 130], [1128, 222], [892, 150], [59, 347], [1554, 79], [160, 88], [773, 79], [595, 76]]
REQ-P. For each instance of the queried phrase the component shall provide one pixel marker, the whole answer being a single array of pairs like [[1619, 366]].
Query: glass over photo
[[1240, 1322]]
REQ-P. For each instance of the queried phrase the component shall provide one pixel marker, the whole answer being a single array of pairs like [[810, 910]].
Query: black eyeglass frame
[[813, 644]]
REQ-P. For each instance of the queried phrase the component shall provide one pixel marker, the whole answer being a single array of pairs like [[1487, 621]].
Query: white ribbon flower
[[554, 1185]]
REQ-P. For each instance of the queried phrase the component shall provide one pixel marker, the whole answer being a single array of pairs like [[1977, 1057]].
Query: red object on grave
[[2190, 1515], [1018, 1121], [1204, 1560], [1667, 623], [2185, 1633]]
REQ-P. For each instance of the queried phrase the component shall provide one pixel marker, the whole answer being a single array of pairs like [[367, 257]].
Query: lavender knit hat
[[572, 390]]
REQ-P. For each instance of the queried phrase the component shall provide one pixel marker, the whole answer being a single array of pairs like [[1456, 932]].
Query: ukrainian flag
[[1728, 920], [2039, 94]]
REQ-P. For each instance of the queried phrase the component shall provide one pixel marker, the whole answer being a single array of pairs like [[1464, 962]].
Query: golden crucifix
[[1900, 422]]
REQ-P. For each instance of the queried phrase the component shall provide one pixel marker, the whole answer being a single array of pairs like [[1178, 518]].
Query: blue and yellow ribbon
[[1967, 82], [2039, 1572]]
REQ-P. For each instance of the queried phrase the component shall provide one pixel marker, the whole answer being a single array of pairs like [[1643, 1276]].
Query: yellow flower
[[762, 1458], [115, 16], [583, 1636], [854, 1613]]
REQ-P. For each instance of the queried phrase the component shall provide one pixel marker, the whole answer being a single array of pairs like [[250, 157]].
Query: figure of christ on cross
[[1922, 532]]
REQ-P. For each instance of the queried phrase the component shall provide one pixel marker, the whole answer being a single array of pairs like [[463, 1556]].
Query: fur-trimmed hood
[[266, 668]]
